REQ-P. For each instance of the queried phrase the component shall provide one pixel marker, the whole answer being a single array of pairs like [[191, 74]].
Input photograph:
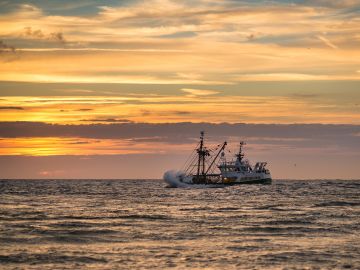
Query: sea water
[[141, 224]]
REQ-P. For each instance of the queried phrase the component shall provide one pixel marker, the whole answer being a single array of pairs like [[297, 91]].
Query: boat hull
[[179, 179], [265, 181], [244, 179]]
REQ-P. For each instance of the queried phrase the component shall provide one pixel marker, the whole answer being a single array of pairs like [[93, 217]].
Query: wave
[[37, 258], [287, 225], [336, 203]]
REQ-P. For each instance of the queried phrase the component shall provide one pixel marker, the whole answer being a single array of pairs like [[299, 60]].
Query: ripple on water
[[84, 224]]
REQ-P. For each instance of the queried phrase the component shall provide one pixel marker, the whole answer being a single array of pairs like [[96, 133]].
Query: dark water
[[124, 224]]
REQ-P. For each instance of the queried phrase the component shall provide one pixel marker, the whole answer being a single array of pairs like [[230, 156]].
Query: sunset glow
[[52, 146], [168, 62], [188, 105]]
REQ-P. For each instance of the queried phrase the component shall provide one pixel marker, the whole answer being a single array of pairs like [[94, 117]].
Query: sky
[[121, 89]]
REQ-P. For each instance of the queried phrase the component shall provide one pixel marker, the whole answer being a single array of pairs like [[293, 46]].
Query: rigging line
[[208, 163], [214, 168], [191, 165], [215, 147], [186, 162], [190, 157], [189, 169], [189, 161]]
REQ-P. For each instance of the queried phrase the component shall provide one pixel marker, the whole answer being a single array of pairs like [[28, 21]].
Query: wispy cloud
[[327, 42], [333, 3], [6, 47], [227, 37], [16, 108], [199, 92], [102, 79], [107, 120], [193, 105], [28, 32]]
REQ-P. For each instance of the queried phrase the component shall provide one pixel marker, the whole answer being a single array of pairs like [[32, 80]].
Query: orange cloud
[[142, 42], [196, 105]]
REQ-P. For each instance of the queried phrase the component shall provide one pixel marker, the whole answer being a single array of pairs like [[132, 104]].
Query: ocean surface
[[141, 224]]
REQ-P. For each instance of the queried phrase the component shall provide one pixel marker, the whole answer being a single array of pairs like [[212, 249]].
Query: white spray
[[173, 178]]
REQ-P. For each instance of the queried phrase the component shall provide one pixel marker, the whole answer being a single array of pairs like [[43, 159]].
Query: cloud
[[4, 47], [305, 96], [183, 34], [16, 108], [80, 142], [174, 131], [288, 77], [251, 36], [8, 53], [327, 42], [107, 120], [227, 37], [333, 3], [85, 109], [75, 91], [59, 37], [190, 76], [181, 112], [276, 103], [199, 92], [28, 32], [308, 146]]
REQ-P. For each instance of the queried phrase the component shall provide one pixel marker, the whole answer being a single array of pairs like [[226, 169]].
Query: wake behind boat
[[208, 166]]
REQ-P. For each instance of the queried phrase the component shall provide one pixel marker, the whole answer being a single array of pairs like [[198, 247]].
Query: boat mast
[[240, 155], [200, 153], [203, 162], [203, 152]]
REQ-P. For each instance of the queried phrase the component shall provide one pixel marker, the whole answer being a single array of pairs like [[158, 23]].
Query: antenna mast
[[240, 155], [200, 153]]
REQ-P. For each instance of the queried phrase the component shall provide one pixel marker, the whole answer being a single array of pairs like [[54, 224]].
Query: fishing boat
[[207, 166]]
